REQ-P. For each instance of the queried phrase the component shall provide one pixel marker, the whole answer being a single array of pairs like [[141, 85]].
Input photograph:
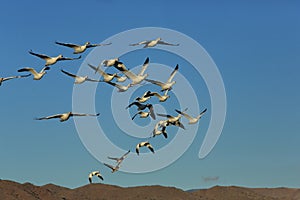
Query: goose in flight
[[143, 107], [167, 85], [137, 78], [52, 60], [11, 77], [144, 98], [80, 48], [120, 160], [65, 116], [173, 120], [121, 88], [163, 124], [113, 168], [192, 120], [152, 43], [36, 75], [143, 144], [95, 173], [79, 79], [142, 114], [109, 62], [161, 98], [106, 76]]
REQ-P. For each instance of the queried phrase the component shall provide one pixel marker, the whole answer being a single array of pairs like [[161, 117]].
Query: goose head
[[60, 56], [87, 43], [159, 39]]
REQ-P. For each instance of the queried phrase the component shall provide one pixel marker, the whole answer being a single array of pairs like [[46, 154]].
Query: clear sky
[[255, 44]]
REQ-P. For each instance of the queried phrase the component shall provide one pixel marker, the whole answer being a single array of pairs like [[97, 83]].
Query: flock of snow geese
[[120, 76]]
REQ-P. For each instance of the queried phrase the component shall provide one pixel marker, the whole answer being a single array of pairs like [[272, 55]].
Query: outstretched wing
[[173, 74], [83, 114], [43, 56], [184, 114], [92, 80], [109, 166], [68, 73], [134, 103], [97, 45], [28, 69], [66, 58], [145, 65], [164, 115], [143, 42], [155, 82], [152, 114], [97, 69], [126, 154], [165, 43], [12, 77], [67, 44], [50, 117]]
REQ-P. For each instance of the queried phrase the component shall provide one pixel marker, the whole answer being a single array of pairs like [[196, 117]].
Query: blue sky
[[255, 45]]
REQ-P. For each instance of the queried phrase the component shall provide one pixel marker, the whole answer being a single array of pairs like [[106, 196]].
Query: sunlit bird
[[137, 78], [11, 77], [192, 120], [65, 116], [36, 75], [143, 107], [79, 79], [52, 60], [141, 114], [161, 98], [144, 144], [163, 125], [144, 98], [80, 48], [152, 43], [167, 85], [95, 173]]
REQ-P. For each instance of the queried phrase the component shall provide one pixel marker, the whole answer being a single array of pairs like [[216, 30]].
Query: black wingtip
[[177, 67]]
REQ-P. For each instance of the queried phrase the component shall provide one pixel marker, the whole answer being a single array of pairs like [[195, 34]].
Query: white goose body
[[80, 48], [106, 76], [152, 43], [65, 116], [137, 78]]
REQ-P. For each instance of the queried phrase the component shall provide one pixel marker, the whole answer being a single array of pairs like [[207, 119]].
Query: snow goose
[[79, 79], [65, 116], [95, 173], [143, 144], [120, 160], [173, 120], [52, 60], [113, 168], [152, 43], [109, 62], [137, 78], [161, 98], [36, 75], [106, 76], [192, 120], [121, 88], [144, 98], [11, 77], [143, 107], [141, 114], [163, 125], [168, 85], [80, 48]]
